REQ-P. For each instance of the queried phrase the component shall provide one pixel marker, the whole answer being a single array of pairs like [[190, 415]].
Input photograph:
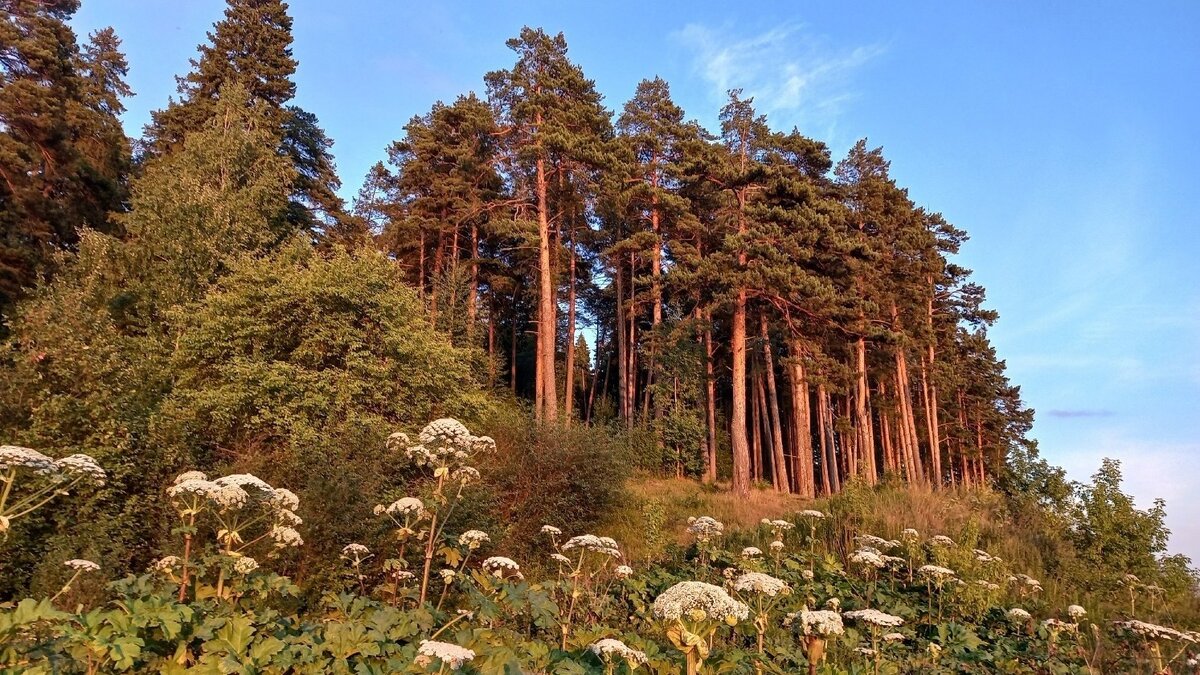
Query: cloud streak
[[1071, 414], [789, 72]]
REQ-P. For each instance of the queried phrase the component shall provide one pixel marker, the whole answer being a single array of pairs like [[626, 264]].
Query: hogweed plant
[[870, 560], [355, 555], [936, 577], [41, 479], [80, 567], [817, 626], [246, 511], [584, 562], [469, 542], [706, 532], [1153, 638], [444, 449], [762, 593], [612, 652], [813, 517], [875, 620], [692, 612]]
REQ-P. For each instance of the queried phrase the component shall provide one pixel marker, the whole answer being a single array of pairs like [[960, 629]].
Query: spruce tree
[[251, 47]]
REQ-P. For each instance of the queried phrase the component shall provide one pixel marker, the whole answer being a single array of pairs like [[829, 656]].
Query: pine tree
[[737, 168], [63, 155], [553, 123]]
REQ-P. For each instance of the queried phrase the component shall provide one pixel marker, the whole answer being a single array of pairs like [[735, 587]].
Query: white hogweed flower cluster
[[15, 456], [705, 528], [164, 565], [623, 572], [82, 466], [894, 637], [935, 572], [751, 552], [1153, 631], [942, 540], [868, 557], [244, 565], [473, 539], [501, 567], [451, 655], [356, 552], [408, 507], [1076, 612], [551, 530], [776, 546], [286, 537], [812, 513], [560, 559], [444, 444], [763, 584], [870, 540], [590, 542], [1056, 625], [80, 565], [874, 617], [985, 557], [608, 649], [821, 622], [1018, 615], [698, 601], [909, 534]]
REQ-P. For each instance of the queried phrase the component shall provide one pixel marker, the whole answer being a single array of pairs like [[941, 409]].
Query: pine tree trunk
[[758, 455], [890, 462], [737, 419], [710, 402], [785, 484], [421, 264], [802, 460], [930, 403], [473, 302], [931, 397], [436, 277], [656, 309], [569, 385], [631, 382], [491, 344], [622, 350], [862, 416], [830, 476], [546, 397], [512, 357]]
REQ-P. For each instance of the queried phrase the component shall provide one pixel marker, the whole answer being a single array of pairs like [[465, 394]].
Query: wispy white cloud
[[1073, 414], [792, 74]]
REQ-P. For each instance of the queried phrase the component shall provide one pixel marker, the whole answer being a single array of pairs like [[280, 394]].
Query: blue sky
[[1060, 135]]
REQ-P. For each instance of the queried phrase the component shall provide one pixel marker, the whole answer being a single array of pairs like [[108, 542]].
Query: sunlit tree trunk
[[569, 385], [778, 457], [546, 397], [802, 461]]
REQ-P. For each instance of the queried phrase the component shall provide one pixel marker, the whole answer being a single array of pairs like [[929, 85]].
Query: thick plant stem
[[428, 558]]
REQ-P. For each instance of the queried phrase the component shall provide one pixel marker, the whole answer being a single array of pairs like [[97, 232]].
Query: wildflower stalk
[[449, 623], [187, 553], [67, 586]]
